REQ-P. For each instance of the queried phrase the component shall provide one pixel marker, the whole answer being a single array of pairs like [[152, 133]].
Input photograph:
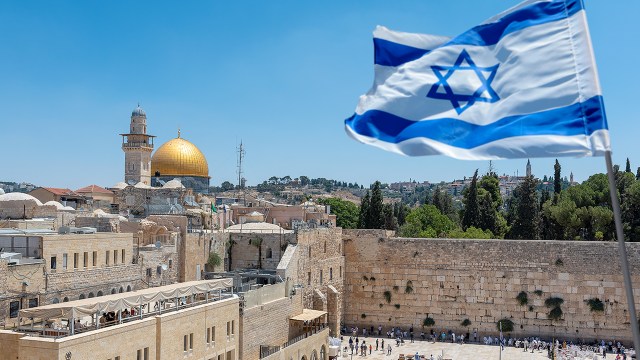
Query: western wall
[[399, 282]]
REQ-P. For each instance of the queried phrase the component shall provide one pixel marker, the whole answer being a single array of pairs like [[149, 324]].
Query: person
[[389, 349], [103, 320], [411, 335], [370, 349], [382, 347], [431, 357], [379, 330], [453, 337], [422, 335], [475, 336], [416, 356]]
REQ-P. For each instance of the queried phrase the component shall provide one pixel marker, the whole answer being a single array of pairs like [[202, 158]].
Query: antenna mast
[[241, 154]]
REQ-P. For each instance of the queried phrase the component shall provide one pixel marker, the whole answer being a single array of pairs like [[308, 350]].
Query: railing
[[161, 309], [266, 351]]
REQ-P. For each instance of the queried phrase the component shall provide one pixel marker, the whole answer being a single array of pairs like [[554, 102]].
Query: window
[[320, 277], [106, 262], [170, 263], [309, 250], [233, 327], [115, 257], [75, 260], [64, 261], [33, 302], [53, 263], [185, 343], [116, 358], [269, 253], [139, 355], [330, 273], [146, 353], [85, 259], [213, 335], [191, 341], [95, 258], [228, 328], [122, 255], [208, 335], [14, 308], [309, 278], [148, 272], [325, 246], [341, 271]]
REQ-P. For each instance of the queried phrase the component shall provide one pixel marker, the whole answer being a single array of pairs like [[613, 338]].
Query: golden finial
[[178, 133]]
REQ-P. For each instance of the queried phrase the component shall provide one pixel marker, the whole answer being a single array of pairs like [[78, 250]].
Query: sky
[[280, 76]]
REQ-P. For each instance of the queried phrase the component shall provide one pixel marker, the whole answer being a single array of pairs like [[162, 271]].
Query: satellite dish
[[158, 244], [164, 267]]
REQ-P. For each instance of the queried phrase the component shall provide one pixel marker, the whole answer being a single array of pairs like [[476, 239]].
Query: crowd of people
[[563, 349]]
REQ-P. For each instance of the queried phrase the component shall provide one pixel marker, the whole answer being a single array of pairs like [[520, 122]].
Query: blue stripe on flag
[[389, 53], [577, 119]]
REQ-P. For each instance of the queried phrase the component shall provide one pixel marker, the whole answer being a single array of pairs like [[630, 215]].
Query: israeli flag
[[522, 84]]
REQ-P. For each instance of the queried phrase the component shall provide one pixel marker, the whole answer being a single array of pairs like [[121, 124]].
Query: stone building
[[196, 319], [137, 146]]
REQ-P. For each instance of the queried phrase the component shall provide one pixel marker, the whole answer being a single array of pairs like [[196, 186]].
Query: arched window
[[269, 253], [55, 301], [100, 293], [81, 296], [303, 357], [330, 273], [128, 288], [113, 291], [314, 355], [323, 353], [66, 299], [121, 290], [91, 295]]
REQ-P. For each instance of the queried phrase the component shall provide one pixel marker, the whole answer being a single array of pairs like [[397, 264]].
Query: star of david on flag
[[461, 102], [522, 84]]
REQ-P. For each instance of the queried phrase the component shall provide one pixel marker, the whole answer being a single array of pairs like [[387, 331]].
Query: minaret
[[137, 147], [528, 168], [571, 178]]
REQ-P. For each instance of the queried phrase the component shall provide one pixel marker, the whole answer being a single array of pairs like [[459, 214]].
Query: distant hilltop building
[[175, 159]]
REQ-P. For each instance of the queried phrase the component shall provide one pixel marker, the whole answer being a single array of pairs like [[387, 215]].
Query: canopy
[[308, 315], [115, 302]]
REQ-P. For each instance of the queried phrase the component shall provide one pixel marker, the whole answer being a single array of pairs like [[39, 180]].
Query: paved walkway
[[451, 351]]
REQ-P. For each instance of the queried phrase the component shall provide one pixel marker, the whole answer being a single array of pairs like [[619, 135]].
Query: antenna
[[241, 153]]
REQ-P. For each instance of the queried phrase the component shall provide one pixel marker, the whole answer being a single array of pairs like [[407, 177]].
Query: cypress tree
[[376, 217], [364, 211], [526, 224], [488, 214], [471, 216], [638, 174], [557, 180], [628, 168]]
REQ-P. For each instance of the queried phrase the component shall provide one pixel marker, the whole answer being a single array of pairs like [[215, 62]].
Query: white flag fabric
[[522, 84]]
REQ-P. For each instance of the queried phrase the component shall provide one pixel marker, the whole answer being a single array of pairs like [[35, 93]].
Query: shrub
[[555, 313], [522, 298], [380, 305], [538, 292], [372, 278], [507, 325], [214, 260], [465, 323], [396, 287], [595, 304], [530, 308], [365, 278], [409, 288], [397, 306], [553, 302], [428, 321], [559, 262], [363, 316], [387, 296]]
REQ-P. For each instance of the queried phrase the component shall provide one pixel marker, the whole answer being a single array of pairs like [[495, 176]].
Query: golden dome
[[178, 157]]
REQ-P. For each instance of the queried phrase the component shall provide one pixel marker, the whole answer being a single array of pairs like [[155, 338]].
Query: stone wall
[[310, 348], [92, 282], [267, 324], [152, 260], [4, 294], [452, 280], [244, 255]]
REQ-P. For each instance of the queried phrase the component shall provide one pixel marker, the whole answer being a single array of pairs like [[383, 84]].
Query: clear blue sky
[[280, 75]]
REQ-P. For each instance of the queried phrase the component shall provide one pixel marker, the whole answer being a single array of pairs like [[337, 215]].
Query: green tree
[[471, 216], [390, 221], [557, 180], [628, 168], [470, 233], [426, 221], [365, 205], [488, 213], [401, 210], [345, 211], [638, 174], [526, 224], [304, 180], [444, 202], [491, 184], [631, 212], [376, 217], [227, 186]]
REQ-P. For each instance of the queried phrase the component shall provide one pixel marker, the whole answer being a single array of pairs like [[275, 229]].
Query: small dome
[[68, 208], [141, 185], [54, 203], [1, 192], [138, 112], [120, 186], [173, 184], [17, 196]]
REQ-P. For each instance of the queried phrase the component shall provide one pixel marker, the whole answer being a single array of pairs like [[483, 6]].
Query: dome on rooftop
[[17, 196], [1, 192], [138, 112], [58, 205], [179, 157]]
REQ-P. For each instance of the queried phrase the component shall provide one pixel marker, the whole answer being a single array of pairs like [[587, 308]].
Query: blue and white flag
[[522, 84]]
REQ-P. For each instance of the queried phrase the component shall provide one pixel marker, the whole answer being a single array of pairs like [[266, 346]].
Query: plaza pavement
[[451, 351]]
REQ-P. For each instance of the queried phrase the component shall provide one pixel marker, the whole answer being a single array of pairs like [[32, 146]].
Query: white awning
[[116, 302], [308, 315]]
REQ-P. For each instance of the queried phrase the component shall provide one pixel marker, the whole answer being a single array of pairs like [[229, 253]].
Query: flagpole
[[622, 252]]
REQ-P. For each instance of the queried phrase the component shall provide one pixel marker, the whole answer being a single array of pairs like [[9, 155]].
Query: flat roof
[[308, 315]]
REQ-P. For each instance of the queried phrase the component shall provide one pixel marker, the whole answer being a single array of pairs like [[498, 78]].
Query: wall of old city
[[309, 348], [4, 294], [451, 280]]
